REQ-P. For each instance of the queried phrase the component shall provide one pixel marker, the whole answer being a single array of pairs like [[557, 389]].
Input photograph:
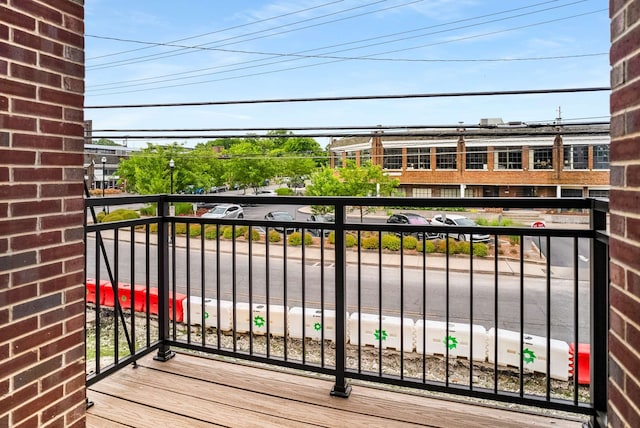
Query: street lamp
[[104, 161], [172, 165]]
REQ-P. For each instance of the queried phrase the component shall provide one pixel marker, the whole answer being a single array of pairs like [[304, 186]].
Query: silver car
[[225, 211], [459, 220]]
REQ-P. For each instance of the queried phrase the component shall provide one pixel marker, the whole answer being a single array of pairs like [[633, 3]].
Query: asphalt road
[[394, 290]]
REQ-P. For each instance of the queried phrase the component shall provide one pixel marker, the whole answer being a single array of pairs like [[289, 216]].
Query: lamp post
[[172, 165], [104, 161]]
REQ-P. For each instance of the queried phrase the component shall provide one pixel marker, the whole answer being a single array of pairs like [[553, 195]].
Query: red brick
[[37, 141], [43, 239], [37, 109], [77, 383], [4, 245], [38, 174], [37, 207], [633, 283], [59, 253], [623, 406], [14, 364], [39, 11], [633, 175], [61, 344], [60, 34], [36, 75], [37, 404], [74, 294], [74, 144], [76, 323], [12, 17], [59, 190], [61, 221], [626, 201], [4, 174], [60, 408], [4, 32], [57, 422], [17, 157], [38, 43], [59, 127], [74, 25], [74, 265], [61, 66], [18, 397], [18, 191], [36, 339], [60, 283], [73, 233], [60, 97], [18, 294], [17, 226], [35, 273], [73, 8], [616, 273], [73, 85], [626, 99], [21, 123], [75, 354], [18, 260], [625, 304], [61, 159], [617, 324], [74, 115], [4, 106], [16, 53]]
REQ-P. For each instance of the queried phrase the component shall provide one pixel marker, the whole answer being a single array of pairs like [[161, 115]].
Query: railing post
[[164, 352], [599, 314], [341, 387]]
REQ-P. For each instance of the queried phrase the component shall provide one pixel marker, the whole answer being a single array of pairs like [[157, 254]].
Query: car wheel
[[240, 216], [442, 236], [462, 237]]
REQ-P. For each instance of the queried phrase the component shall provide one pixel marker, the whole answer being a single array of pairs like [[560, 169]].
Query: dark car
[[413, 219], [326, 218], [280, 216]]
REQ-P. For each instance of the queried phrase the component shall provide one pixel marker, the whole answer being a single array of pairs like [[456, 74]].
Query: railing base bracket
[[342, 392], [164, 356]]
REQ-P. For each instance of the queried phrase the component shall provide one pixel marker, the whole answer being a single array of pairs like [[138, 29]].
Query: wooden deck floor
[[190, 391]]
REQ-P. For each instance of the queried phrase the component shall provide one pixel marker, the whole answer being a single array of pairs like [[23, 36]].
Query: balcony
[[283, 330]]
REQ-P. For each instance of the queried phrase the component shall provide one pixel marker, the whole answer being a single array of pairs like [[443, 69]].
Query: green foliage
[[409, 242], [494, 222], [183, 208], [153, 228], [462, 248], [331, 237], [480, 250], [117, 215], [181, 228], [242, 230], [429, 247], [350, 240], [149, 210], [296, 239], [255, 235], [100, 215], [285, 191], [227, 232], [514, 240], [195, 230], [441, 246], [211, 232], [274, 236], [370, 242], [390, 242]]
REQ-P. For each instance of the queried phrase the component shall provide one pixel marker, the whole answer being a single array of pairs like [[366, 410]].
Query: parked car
[[459, 220], [411, 218], [225, 211], [266, 192], [326, 218], [280, 216]]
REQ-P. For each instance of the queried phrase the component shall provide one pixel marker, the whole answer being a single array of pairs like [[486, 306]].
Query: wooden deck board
[[208, 392]]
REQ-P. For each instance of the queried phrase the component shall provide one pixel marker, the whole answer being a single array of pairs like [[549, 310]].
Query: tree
[[352, 180], [247, 165], [147, 171]]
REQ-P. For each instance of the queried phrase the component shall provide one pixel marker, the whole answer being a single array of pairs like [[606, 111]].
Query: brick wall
[[624, 335], [42, 372]]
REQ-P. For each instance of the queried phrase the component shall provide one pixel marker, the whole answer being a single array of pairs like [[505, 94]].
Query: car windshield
[[418, 220], [465, 222], [219, 210]]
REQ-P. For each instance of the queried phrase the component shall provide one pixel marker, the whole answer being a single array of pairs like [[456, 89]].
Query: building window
[[419, 158], [422, 192], [601, 156], [365, 157], [392, 158], [450, 192], [598, 193], [476, 158], [576, 157], [350, 156], [446, 158], [508, 158], [542, 158]]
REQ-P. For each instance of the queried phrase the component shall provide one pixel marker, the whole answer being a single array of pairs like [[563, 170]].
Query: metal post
[[172, 165], [599, 313], [341, 387], [164, 352], [104, 162]]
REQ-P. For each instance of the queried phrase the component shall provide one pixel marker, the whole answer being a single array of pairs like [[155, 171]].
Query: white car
[[225, 211], [459, 220]]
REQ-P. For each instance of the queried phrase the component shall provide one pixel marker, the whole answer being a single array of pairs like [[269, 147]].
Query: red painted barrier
[[124, 295], [584, 360], [91, 290], [153, 304]]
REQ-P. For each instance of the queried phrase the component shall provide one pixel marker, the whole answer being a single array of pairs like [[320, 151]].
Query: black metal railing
[[500, 319]]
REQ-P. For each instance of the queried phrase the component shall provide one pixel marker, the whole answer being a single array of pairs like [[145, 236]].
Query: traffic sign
[[538, 223]]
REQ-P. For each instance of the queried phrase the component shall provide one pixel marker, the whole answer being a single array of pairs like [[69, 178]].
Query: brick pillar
[[624, 312], [42, 373]]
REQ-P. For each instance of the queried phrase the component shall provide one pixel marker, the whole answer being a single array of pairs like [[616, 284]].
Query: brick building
[[488, 161], [42, 370]]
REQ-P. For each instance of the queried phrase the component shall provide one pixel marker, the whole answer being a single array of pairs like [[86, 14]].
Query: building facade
[[487, 163]]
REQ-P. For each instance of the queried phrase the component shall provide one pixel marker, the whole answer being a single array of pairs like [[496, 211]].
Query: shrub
[[350, 240], [390, 242], [331, 238], [463, 248], [227, 232], [429, 247], [211, 232], [183, 208], [284, 191], [242, 230], [195, 230], [181, 228], [255, 235], [149, 210], [480, 250], [410, 243], [153, 228], [514, 240], [296, 239], [274, 236], [369, 242], [441, 246], [100, 216]]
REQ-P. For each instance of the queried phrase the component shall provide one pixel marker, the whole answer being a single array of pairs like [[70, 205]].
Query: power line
[[357, 98]]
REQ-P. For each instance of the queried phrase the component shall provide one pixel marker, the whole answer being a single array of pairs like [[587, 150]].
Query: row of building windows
[[576, 157]]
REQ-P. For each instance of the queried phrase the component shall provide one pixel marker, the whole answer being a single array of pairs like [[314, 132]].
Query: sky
[[199, 51]]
